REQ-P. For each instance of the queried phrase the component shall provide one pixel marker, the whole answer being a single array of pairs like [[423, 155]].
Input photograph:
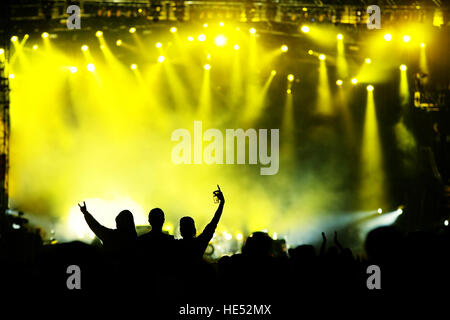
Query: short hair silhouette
[[187, 228], [156, 218]]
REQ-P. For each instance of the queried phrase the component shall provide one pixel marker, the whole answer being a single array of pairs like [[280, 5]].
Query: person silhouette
[[155, 243], [115, 241], [191, 247]]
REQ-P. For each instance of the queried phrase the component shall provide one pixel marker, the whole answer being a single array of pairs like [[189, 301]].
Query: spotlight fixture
[[406, 38], [44, 35], [370, 88], [173, 29], [14, 38], [190, 39], [322, 57], [368, 61], [380, 211], [220, 40], [73, 69], [84, 47], [236, 47], [339, 82], [354, 81], [158, 44], [161, 59], [132, 30], [207, 66], [119, 43], [290, 77], [340, 36], [284, 48], [403, 67], [305, 29], [133, 66], [99, 33], [388, 37], [252, 30], [90, 67], [201, 37]]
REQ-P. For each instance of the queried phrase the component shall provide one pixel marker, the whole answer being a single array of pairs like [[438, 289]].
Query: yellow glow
[[35, 47], [322, 57], [290, 77], [252, 30], [133, 66], [354, 81], [236, 47], [12, 76], [220, 40], [239, 236], [305, 9], [310, 52], [339, 82], [73, 69], [132, 30], [173, 29], [340, 36], [288, 91], [305, 29], [119, 43], [14, 38], [84, 47], [190, 38], [158, 44], [370, 87], [201, 37], [368, 61], [406, 38], [161, 59], [221, 24], [388, 37], [284, 48], [422, 45], [99, 33], [44, 35], [2, 51], [207, 66], [273, 72], [403, 67], [90, 67], [205, 25]]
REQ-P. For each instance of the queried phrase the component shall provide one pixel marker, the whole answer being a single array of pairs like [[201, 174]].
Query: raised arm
[[218, 193], [100, 231]]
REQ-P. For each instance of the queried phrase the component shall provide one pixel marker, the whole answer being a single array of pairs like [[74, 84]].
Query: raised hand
[[218, 193], [83, 208]]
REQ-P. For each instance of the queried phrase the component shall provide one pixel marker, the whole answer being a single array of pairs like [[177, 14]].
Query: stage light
[[98, 34], [239, 236], [322, 57], [399, 211], [73, 69], [340, 36], [35, 47], [252, 30], [119, 43], [2, 51], [339, 82], [90, 67], [369, 87], [220, 40], [422, 45], [403, 67], [133, 66], [290, 77], [354, 81], [284, 48], [84, 47], [161, 59], [221, 24], [140, 10], [305, 29], [190, 38], [201, 37], [380, 211], [12, 76], [305, 9], [44, 35], [158, 44], [388, 37], [406, 38], [288, 91], [236, 47], [205, 25], [228, 236], [310, 52], [173, 29], [207, 66], [368, 61], [14, 38], [273, 72], [132, 30], [446, 223]]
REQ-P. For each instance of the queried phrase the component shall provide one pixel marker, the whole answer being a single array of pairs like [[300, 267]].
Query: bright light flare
[[161, 59], [284, 48], [207, 67], [388, 37], [406, 38], [132, 30], [236, 47], [84, 47], [220, 41], [340, 36], [119, 43], [99, 33], [73, 69], [14, 38], [305, 29], [201, 37], [403, 67], [290, 77], [370, 87], [173, 29], [339, 82], [252, 30], [90, 67], [322, 57], [44, 35], [158, 44], [354, 81], [133, 66], [368, 61]]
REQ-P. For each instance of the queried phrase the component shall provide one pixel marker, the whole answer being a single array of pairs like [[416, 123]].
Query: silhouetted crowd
[[162, 267]]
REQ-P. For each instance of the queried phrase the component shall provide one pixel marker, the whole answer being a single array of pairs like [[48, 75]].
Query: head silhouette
[[187, 228], [156, 219], [125, 222]]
